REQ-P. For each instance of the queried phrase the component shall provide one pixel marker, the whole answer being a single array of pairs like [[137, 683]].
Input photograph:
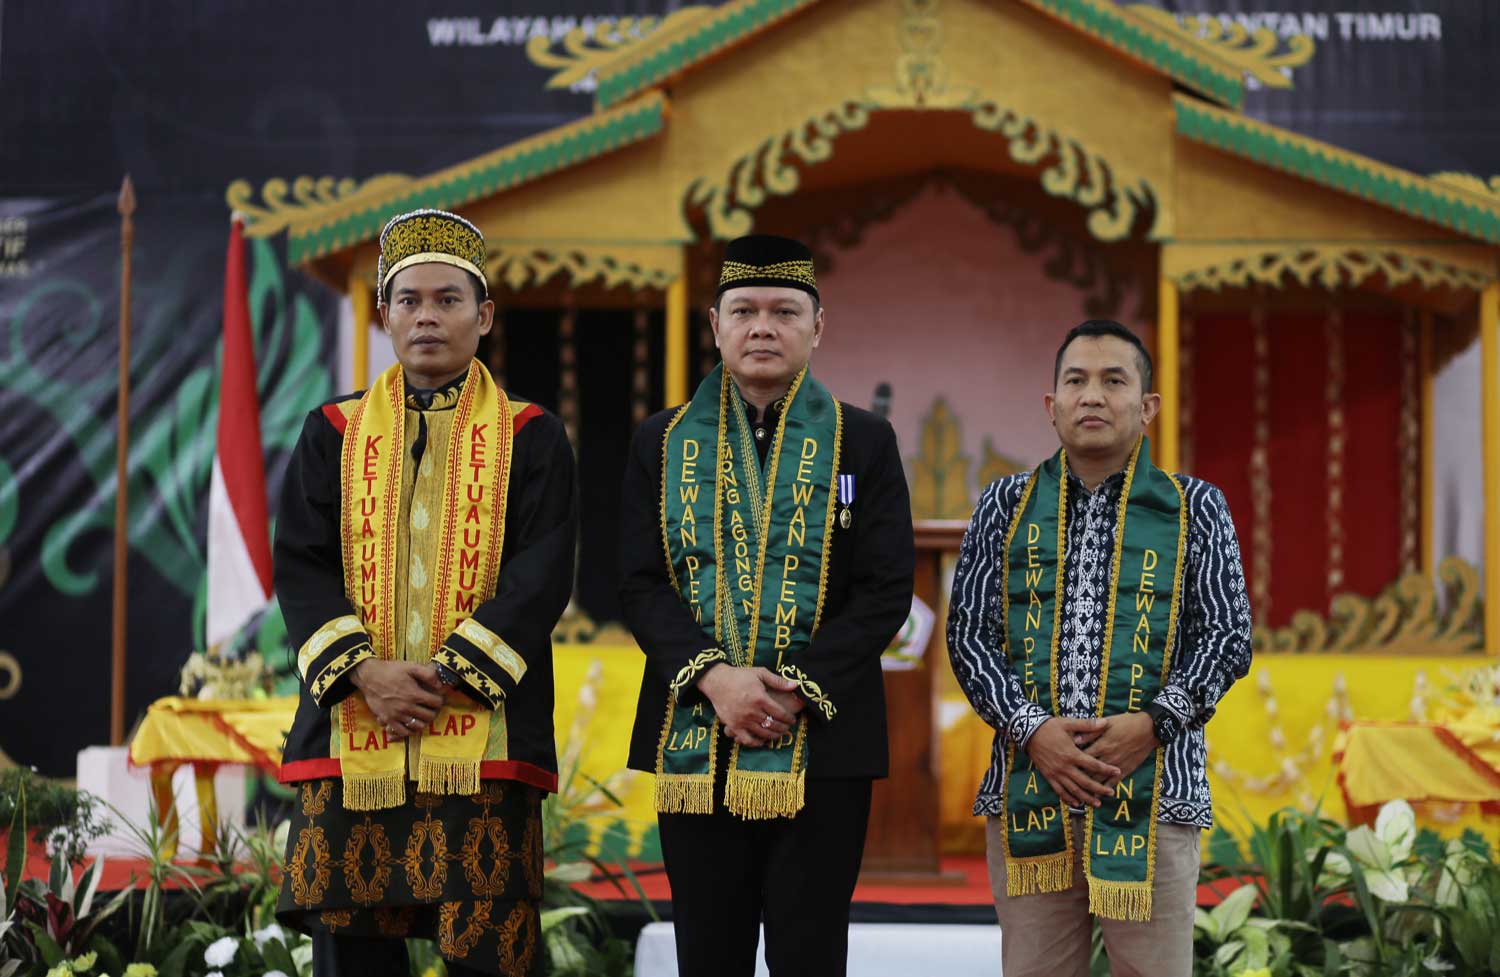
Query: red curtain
[[1299, 415]]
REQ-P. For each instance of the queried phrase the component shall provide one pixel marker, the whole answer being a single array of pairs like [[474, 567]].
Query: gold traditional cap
[[429, 235], [766, 259]]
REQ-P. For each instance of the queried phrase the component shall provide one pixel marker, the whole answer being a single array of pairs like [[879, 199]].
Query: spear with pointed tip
[[122, 472]]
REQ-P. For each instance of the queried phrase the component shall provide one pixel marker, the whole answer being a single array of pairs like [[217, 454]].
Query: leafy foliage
[[1317, 900]]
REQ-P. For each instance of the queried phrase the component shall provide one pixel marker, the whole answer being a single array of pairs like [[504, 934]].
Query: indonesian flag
[[239, 549]]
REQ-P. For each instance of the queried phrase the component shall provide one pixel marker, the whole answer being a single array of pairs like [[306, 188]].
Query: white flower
[[272, 932], [220, 952], [274, 973], [1380, 853], [1460, 870], [214, 973]]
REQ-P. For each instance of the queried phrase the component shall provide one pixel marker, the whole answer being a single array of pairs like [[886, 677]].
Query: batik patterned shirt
[[1211, 650]]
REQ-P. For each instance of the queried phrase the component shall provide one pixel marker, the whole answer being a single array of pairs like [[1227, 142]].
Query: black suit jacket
[[867, 599]]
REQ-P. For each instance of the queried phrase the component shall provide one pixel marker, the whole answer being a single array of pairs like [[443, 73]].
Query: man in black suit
[[766, 562]]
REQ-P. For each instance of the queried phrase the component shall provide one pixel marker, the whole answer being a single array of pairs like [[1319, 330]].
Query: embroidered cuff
[[483, 688], [1026, 722], [1175, 700], [482, 659], [810, 690], [325, 660], [689, 673]]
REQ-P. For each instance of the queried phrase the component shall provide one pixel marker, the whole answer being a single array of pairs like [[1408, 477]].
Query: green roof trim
[[353, 222], [1339, 170], [1144, 40], [702, 38]]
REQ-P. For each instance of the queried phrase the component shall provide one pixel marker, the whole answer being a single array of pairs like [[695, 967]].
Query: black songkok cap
[[765, 259]]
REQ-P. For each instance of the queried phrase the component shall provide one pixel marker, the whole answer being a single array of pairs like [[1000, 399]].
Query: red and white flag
[[239, 548]]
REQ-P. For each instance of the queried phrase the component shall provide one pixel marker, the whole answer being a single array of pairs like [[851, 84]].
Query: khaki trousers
[[1048, 934]]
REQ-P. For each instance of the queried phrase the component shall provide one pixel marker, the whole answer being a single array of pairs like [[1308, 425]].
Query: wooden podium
[[903, 842]]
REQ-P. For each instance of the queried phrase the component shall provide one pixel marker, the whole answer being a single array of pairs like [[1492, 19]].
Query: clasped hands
[[755, 705], [1083, 759], [403, 696]]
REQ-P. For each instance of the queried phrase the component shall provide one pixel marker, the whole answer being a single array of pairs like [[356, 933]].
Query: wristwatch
[[1166, 725], [446, 675]]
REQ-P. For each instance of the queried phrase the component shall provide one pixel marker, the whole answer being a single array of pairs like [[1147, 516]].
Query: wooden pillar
[[363, 301], [675, 378], [1489, 359], [1426, 545], [904, 844], [1167, 449]]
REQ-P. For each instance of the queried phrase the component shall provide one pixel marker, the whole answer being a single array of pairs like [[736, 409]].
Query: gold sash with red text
[[476, 475]]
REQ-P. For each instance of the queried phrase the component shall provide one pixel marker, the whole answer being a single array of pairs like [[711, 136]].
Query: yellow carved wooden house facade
[[1117, 121]]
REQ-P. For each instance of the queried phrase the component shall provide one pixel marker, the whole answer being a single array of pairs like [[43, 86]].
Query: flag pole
[[122, 472]]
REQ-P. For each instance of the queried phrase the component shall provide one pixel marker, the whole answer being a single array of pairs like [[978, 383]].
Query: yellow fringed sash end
[[1040, 873], [757, 795], [448, 775], [374, 791], [684, 793], [1129, 901]]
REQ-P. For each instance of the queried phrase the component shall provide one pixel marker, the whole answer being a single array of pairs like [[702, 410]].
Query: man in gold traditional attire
[[424, 551]]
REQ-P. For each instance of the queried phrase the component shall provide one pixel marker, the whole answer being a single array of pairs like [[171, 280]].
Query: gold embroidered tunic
[[463, 870]]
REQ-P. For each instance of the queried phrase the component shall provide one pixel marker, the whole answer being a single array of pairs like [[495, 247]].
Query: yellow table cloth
[[1454, 761]]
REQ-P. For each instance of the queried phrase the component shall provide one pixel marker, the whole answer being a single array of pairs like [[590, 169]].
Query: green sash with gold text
[[746, 547], [1145, 586]]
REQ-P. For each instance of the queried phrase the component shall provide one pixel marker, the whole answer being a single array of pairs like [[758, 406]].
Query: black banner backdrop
[[58, 353], [189, 96]]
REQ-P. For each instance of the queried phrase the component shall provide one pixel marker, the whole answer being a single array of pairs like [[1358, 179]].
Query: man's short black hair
[[474, 283], [1095, 328]]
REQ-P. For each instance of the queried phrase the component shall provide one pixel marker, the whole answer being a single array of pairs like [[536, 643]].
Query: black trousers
[[795, 875], [361, 956]]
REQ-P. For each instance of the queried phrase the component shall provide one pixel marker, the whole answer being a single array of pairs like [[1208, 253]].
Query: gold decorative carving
[[1253, 52], [521, 267], [940, 473], [765, 170], [1333, 400], [921, 75], [995, 465], [1330, 268], [1073, 261], [1073, 172], [587, 47], [1403, 619], [276, 212], [1260, 467], [1470, 182], [1115, 199]]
